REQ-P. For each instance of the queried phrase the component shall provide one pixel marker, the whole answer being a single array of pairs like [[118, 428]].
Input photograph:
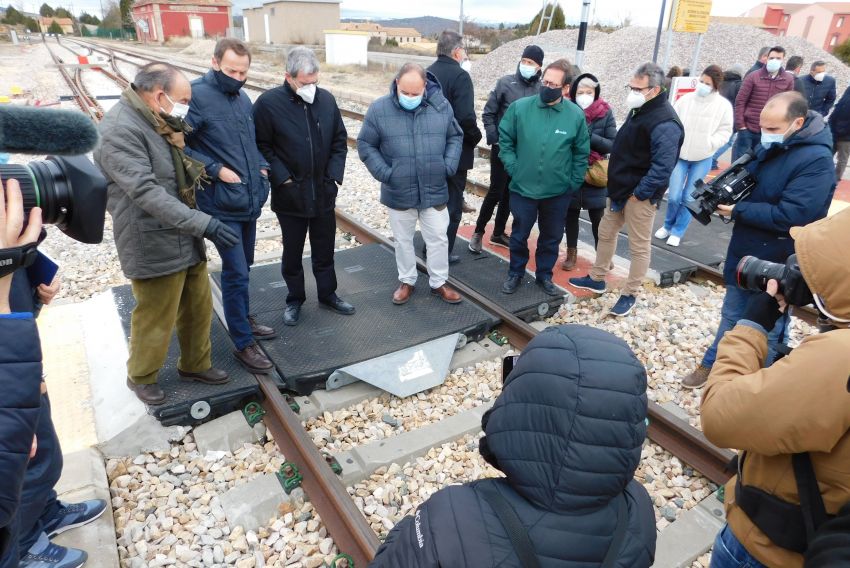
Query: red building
[[158, 20]]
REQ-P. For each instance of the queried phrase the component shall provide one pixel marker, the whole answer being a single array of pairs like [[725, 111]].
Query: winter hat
[[534, 53]]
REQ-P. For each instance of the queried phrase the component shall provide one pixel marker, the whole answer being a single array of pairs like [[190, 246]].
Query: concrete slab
[[144, 435], [253, 504], [676, 410], [84, 477], [359, 463], [690, 536], [227, 433]]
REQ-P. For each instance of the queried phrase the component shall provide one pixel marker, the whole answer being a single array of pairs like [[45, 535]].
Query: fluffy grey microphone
[[34, 130]]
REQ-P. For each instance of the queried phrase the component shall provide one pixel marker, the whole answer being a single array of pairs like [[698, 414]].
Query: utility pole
[[460, 23], [658, 33], [582, 33]]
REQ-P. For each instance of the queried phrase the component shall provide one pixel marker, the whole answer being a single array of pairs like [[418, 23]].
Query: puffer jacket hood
[[821, 251], [568, 427], [574, 86], [433, 93]]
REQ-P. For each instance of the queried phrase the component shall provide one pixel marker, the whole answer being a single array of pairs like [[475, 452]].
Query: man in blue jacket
[[795, 182], [221, 116], [819, 88], [839, 123]]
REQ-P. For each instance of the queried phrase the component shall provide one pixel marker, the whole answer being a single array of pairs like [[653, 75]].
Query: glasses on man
[[551, 84], [637, 89]]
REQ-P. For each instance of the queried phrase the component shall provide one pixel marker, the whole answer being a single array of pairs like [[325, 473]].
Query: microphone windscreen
[[34, 130]]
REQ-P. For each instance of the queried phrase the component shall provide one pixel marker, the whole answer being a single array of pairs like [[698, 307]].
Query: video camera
[[728, 188]]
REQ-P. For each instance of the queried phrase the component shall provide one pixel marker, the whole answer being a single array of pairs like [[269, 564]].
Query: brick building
[[158, 20], [824, 24]]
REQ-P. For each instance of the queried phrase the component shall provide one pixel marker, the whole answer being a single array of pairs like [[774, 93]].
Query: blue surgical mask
[[703, 90], [769, 138], [409, 103], [527, 71], [773, 65]]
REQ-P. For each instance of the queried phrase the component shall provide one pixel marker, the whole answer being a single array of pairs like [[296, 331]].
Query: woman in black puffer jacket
[[603, 129]]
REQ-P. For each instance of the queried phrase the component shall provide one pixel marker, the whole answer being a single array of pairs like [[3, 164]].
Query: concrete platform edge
[[691, 536]]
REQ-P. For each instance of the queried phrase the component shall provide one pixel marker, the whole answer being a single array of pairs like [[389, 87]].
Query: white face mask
[[584, 101], [466, 65], [703, 90], [820, 76], [635, 100], [773, 65], [307, 93], [178, 110]]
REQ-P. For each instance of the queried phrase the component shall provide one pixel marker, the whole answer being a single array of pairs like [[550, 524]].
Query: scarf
[[597, 109], [190, 173]]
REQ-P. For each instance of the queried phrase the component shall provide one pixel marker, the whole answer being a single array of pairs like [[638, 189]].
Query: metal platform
[[486, 272], [190, 402], [323, 341]]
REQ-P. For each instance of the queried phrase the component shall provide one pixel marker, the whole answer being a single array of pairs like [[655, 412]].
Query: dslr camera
[[753, 274], [728, 188]]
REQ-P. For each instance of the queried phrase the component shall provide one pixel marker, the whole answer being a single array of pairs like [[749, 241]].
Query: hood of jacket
[[574, 86], [813, 133], [568, 427], [433, 92], [731, 76], [821, 249]]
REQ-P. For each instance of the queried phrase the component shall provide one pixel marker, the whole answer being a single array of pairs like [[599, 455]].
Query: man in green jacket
[[544, 148]]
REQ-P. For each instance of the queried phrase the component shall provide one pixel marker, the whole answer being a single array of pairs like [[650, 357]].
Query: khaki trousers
[[638, 217], [182, 299]]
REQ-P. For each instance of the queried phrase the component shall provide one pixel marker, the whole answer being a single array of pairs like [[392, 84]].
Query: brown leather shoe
[[260, 331], [211, 376], [402, 294], [253, 359], [697, 378], [149, 394], [446, 294], [570, 261]]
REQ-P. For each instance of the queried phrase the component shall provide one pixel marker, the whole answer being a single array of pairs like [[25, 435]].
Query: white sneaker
[[662, 233], [673, 241]]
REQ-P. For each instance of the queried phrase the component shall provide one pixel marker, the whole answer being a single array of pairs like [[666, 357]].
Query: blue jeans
[[745, 142], [682, 180], [236, 262], [734, 303], [549, 214], [730, 553], [722, 150]]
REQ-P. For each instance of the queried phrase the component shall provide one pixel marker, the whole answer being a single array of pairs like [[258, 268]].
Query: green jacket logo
[[560, 131]]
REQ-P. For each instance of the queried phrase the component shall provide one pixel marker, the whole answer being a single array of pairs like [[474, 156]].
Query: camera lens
[[26, 179], [753, 273], [43, 184]]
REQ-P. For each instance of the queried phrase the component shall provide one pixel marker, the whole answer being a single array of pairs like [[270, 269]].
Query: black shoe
[[149, 394], [500, 240], [338, 305], [549, 286], [454, 259], [511, 284], [291, 313]]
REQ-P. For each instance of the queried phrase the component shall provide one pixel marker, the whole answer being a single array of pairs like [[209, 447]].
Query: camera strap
[[14, 258]]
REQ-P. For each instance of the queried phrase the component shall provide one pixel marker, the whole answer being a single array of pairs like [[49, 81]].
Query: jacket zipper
[[312, 157]]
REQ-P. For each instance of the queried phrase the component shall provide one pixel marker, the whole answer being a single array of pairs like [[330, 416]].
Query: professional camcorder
[[728, 188], [753, 274]]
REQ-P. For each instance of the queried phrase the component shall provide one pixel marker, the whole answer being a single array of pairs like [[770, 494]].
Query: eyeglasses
[[637, 89], [550, 84]]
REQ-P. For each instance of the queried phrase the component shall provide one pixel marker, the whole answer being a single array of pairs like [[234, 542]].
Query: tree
[[31, 24], [842, 52], [112, 19], [559, 22], [61, 12], [501, 26], [86, 18], [46, 11], [13, 17], [55, 28], [126, 16]]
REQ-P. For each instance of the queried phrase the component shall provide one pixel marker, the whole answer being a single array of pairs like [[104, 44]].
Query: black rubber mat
[[181, 395], [486, 272], [323, 341]]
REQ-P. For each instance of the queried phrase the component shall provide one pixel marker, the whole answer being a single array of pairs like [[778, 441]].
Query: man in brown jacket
[[799, 404]]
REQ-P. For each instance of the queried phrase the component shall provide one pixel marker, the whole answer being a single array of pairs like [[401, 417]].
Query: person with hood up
[[567, 432], [795, 181], [602, 127], [411, 143], [525, 82], [800, 404]]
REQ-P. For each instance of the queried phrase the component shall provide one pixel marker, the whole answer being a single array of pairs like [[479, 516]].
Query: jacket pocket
[[292, 197], [158, 243], [231, 197], [265, 189]]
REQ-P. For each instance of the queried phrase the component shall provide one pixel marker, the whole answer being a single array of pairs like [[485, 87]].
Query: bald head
[[784, 113], [411, 80], [161, 85]]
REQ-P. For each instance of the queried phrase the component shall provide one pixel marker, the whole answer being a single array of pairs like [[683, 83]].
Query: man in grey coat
[[158, 231], [411, 143]]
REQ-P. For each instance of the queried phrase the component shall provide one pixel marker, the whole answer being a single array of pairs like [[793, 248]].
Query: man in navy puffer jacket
[[567, 432]]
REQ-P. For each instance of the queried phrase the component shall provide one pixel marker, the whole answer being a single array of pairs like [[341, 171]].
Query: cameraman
[[20, 365], [795, 180], [799, 404]]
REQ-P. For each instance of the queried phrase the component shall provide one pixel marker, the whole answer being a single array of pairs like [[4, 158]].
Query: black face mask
[[228, 84], [550, 94]]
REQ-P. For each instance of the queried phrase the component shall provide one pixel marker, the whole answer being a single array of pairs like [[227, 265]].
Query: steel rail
[[85, 101]]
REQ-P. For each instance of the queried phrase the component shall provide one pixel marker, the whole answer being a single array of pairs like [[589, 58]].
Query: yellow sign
[[692, 16]]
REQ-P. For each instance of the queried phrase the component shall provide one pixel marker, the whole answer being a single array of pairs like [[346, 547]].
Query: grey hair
[[302, 60], [587, 82], [763, 51], [817, 64], [155, 76], [651, 71], [411, 68], [449, 41]]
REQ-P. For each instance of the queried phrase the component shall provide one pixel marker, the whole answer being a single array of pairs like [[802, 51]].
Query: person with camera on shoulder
[[795, 180], [789, 505]]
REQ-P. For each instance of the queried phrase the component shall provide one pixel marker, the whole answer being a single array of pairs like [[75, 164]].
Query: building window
[[840, 22], [834, 41], [786, 18], [271, 12]]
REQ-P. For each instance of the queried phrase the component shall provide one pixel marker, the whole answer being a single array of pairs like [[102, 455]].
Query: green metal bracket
[[497, 338], [342, 561], [289, 477], [721, 493], [334, 465], [292, 404], [253, 413]]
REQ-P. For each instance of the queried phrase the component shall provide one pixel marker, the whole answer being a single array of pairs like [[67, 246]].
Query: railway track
[[87, 103]]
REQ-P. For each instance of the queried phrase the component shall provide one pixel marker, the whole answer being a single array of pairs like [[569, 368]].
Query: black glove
[[221, 235], [762, 309]]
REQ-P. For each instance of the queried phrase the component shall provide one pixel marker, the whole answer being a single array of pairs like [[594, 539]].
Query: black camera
[[728, 188], [753, 274], [70, 190]]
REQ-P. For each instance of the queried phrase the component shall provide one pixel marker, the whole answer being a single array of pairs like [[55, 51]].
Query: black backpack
[[828, 536]]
